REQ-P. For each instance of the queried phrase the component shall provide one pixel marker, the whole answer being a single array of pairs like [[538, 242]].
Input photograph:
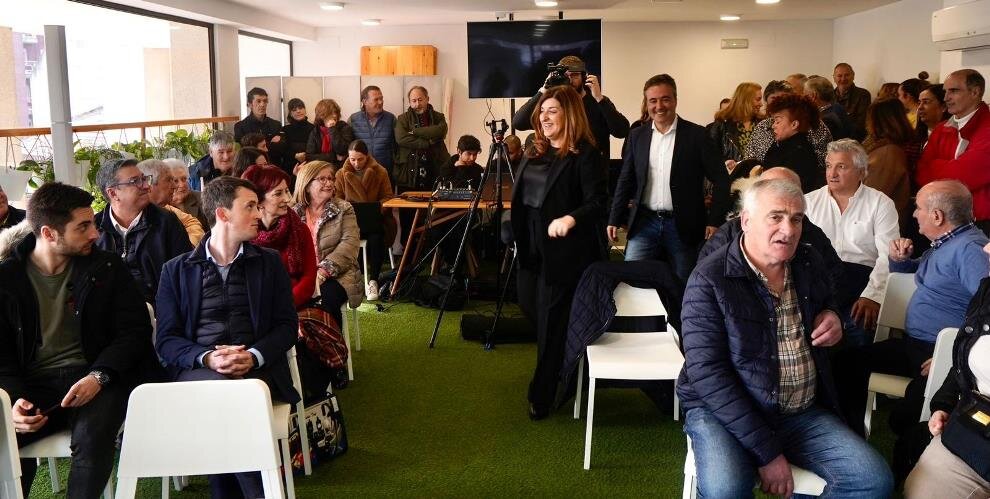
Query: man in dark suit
[[225, 310], [660, 195]]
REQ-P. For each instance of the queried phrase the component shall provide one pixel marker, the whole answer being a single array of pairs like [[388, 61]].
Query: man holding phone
[[74, 333], [603, 118]]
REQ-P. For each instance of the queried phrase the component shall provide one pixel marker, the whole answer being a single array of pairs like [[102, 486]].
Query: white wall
[[632, 52], [890, 43]]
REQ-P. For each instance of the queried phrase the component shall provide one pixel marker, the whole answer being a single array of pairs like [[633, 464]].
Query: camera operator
[[603, 118]]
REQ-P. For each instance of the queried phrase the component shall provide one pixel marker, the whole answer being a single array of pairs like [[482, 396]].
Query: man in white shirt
[[861, 222], [660, 194]]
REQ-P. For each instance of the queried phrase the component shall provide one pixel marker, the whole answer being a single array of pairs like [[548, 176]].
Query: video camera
[[557, 76]]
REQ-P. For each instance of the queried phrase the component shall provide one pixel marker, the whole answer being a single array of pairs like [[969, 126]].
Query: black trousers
[[94, 426], [897, 356], [376, 254], [549, 307]]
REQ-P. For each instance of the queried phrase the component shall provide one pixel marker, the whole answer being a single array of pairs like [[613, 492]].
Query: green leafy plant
[[41, 171], [141, 149], [185, 143]]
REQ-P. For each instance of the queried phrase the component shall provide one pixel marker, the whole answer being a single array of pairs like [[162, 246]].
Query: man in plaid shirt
[[756, 385]]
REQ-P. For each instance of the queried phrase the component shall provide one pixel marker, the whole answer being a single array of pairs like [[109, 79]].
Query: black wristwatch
[[101, 377]]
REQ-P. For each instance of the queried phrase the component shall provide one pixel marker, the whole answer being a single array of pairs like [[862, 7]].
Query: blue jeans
[[814, 439], [655, 237]]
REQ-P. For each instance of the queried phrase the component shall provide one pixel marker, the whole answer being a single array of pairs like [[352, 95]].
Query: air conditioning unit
[[962, 26]]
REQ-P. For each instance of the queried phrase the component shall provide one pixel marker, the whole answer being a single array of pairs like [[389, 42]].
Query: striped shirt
[[798, 378]]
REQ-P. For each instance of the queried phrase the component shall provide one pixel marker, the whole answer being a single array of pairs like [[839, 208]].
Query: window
[[123, 66]]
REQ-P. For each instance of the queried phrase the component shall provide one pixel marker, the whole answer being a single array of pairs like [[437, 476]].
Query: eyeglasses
[[323, 180], [142, 181]]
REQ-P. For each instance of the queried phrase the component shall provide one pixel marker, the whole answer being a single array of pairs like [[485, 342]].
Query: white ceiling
[[406, 12]]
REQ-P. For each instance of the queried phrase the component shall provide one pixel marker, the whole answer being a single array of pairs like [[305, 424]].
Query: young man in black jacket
[[74, 334]]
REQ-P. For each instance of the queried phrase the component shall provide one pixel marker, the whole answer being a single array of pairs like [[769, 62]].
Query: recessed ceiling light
[[332, 6], [729, 17], [546, 3], [371, 22], [767, 2]]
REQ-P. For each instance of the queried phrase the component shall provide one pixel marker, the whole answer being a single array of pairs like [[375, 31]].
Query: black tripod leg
[[490, 337]]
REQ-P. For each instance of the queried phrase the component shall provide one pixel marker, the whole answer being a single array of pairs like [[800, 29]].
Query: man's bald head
[[952, 197], [781, 173]]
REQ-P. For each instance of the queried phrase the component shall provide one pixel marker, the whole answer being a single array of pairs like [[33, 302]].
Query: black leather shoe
[[537, 414]]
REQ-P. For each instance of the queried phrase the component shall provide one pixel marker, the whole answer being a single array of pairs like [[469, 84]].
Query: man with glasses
[[603, 118], [134, 228], [163, 185]]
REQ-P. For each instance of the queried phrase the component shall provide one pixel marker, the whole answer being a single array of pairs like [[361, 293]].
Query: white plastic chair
[[345, 327], [805, 482], [281, 413], [364, 257], [629, 356], [10, 463], [893, 313], [941, 365], [200, 428]]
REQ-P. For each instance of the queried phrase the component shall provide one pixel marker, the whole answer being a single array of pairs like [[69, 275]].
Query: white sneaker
[[371, 290]]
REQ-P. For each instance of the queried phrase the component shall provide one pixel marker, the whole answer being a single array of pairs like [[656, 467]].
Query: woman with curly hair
[[792, 117]]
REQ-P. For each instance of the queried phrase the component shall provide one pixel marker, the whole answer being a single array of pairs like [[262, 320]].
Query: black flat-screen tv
[[509, 58]]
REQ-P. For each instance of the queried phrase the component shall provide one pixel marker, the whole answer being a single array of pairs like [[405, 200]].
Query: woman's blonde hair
[[307, 172], [740, 108], [575, 122]]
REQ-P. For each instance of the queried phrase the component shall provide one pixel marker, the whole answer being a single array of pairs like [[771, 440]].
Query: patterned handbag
[[322, 336]]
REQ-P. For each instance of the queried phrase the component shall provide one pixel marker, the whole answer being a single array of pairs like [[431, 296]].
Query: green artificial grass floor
[[452, 422]]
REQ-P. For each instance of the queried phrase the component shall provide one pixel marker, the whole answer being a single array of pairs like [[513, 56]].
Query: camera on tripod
[[558, 75]]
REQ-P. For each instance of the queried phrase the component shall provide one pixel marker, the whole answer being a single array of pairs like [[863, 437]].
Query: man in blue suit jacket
[[225, 310], [660, 195]]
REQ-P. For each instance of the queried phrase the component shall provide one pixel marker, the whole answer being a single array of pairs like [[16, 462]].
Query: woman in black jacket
[[733, 125], [330, 136], [793, 115], [558, 218], [296, 131], [939, 472]]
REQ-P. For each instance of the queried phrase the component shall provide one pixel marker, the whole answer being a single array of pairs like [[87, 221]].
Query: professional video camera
[[558, 75]]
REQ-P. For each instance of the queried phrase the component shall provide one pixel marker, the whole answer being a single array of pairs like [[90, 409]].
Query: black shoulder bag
[[967, 434]]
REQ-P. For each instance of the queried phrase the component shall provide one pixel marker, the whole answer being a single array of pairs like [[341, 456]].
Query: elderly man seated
[[220, 160], [948, 276], [756, 383], [162, 189], [861, 222], [141, 233], [225, 310]]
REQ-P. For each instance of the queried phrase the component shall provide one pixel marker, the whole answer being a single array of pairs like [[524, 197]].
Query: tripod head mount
[[498, 134]]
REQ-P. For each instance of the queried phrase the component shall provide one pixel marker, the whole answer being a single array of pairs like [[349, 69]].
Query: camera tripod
[[498, 156]]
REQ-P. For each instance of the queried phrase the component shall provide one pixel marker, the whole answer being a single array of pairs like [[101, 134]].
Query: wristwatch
[[101, 377]]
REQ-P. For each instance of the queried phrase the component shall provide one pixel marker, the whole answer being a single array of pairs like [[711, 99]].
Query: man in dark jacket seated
[[225, 310], [134, 228], [756, 384], [811, 234], [74, 334]]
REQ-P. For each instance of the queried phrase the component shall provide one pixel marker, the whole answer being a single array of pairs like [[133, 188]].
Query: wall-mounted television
[[509, 58]]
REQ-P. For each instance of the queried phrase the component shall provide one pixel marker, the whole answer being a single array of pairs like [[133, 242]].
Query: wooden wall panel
[[391, 60]]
